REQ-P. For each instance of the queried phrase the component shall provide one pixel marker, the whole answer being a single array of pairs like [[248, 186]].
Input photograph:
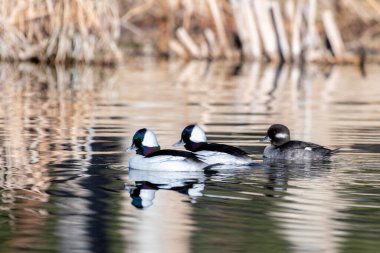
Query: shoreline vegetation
[[328, 31], [57, 32], [102, 31]]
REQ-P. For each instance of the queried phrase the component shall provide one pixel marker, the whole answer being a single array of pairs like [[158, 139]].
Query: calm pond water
[[65, 184]]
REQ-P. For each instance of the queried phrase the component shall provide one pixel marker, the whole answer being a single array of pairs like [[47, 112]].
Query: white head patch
[[150, 139], [198, 135], [281, 135]]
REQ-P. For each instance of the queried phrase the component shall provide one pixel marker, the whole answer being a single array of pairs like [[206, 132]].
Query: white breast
[[165, 163], [213, 157]]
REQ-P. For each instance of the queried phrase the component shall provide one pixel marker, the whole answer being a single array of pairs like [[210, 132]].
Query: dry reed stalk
[[60, 31], [188, 42], [254, 37], [214, 50], [240, 24], [296, 31], [262, 11], [312, 40], [333, 35], [178, 49], [247, 28], [280, 31], [220, 28]]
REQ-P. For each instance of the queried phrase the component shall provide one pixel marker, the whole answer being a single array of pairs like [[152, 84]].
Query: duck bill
[[131, 148], [265, 139], [179, 143]]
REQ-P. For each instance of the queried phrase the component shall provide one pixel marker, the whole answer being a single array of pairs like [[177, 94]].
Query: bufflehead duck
[[149, 156], [194, 139], [283, 148]]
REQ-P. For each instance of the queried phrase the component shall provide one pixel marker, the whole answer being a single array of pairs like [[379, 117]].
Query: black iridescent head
[[186, 133], [192, 137], [278, 134], [145, 142], [138, 138]]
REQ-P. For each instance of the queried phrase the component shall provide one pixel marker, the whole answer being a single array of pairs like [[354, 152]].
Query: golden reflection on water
[[42, 110], [51, 117], [313, 99], [164, 227], [310, 214]]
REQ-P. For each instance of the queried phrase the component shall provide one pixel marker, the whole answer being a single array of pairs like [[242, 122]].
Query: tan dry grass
[[59, 31], [290, 30]]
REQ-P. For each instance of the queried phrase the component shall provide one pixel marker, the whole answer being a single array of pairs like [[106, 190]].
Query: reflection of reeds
[[286, 30], [46, 108], [46, 119], [59, 31]]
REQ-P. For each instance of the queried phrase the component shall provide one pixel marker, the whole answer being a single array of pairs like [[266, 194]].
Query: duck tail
[[334, 151]]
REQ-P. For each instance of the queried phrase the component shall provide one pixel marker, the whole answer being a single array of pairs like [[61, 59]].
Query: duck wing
[[223, 148], [308, 146]]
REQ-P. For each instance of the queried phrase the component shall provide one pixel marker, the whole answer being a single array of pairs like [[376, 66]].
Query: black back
[[220, 148]]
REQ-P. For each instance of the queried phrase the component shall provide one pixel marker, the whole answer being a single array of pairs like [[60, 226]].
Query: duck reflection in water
[[310, 203], [279, 173], [143, 185], [142, 194]]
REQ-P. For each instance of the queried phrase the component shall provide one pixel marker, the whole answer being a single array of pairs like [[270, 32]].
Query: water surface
[[65, 184]]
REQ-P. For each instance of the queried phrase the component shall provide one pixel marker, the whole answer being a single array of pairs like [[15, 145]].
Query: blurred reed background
[[59, 31], [56, 123], [275, 30]]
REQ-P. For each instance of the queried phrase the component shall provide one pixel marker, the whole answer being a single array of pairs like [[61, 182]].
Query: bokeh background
[[79, 77]]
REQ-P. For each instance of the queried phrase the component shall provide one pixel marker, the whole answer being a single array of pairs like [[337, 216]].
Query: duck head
[[191, 137], [277, 134], [144, 141]]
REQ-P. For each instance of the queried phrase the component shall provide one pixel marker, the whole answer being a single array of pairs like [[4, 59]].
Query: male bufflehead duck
[[283, 148], [150, 157], [194, 139]]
